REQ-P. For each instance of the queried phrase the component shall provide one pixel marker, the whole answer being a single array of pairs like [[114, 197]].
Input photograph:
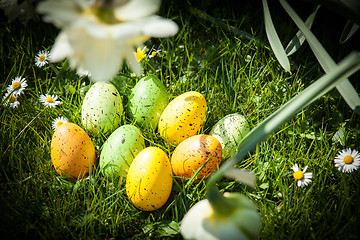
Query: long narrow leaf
[[349, 30], [344, 69], [296, 42], [345, 88], [274, 40]]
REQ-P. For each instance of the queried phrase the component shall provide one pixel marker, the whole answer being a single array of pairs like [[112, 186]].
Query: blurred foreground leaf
[[274, 40], [345, 88], [296, 42]]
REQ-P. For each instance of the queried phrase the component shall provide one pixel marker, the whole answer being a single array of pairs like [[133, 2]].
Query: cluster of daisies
[[18, 85], [13, 91], [347, 161]]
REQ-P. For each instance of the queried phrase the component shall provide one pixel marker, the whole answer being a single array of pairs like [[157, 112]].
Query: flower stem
[[53, 68]]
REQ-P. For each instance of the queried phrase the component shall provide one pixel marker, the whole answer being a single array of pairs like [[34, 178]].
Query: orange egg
[[72, 151], [195, 152]]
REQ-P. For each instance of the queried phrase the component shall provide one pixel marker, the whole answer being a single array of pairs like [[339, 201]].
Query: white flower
[[11, 101], [42, 58], [99, 37], [154, 52], [203, 221], [17, 86], [57, 122], [302, 178], [347, 160], [49, 100]]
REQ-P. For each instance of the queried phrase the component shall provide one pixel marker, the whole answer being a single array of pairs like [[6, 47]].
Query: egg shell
[[147, 101], [183, 117], [102, 108], [149, 180], [230, 130], [119, 150], [193, 153], [72, 151]]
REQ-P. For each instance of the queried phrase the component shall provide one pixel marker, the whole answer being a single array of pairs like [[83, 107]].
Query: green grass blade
[[344, 69], [296, 42], [327, 63], [274, 40]]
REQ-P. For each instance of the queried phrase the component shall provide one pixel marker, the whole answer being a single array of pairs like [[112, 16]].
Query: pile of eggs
[[148, 170]]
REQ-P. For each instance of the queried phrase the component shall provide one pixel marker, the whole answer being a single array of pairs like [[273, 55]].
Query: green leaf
[[345, 88], [349, 30], [274, 40], [242, 176], [341, 71], [296, 42]]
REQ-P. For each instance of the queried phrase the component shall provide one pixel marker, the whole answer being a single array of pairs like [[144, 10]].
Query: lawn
[[235, 75]]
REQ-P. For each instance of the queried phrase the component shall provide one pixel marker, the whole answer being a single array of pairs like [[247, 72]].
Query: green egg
[[119, 150], [102, 108], [230, 130], [147, 101]]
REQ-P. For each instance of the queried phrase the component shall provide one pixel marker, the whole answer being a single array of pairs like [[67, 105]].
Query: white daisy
[[42, 58], [11, 101], [302, 178], [57, 122], [99, 35], [154, 52], [17, 86], [49, 100], [347, 160]]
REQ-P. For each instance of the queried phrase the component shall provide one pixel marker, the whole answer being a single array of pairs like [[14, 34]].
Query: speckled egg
[[147, 101], [72, 151], [149, 180], [230, 130], [119, 150], [199, 151], [102, 108], [183, 117]]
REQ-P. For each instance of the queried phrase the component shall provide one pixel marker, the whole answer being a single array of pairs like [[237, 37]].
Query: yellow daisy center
[[298, 175], [16, 85], [49, 99], [348, 159], [42, 58], [59, 123], [12, 99], [153, 53]]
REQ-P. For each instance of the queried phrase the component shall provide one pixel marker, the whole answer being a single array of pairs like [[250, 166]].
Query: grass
[[38, 204]]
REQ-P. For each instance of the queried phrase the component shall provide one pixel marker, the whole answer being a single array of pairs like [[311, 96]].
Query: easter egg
[[72, 151], [119, 150], [147, 101], [102, 108], [230, 130], [199, 151], [149, 180], [183, 117]]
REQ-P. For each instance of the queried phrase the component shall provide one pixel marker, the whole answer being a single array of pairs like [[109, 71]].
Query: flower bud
[[207, 220]]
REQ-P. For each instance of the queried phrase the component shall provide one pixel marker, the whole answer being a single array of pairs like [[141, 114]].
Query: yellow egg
[[149, 179], [72, 151], [194, 153], [183, 117]]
